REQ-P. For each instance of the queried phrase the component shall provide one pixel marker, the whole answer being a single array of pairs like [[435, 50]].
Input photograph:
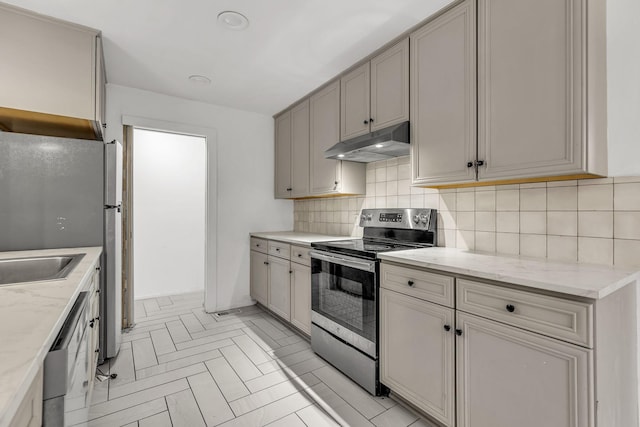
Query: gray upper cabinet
[[443, 102], [376, 94], [300, 149], [330, 176], [283, 156], [55, 68], [541, 88]]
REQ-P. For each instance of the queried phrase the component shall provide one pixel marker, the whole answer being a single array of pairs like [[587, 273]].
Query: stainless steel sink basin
[[36, 269]]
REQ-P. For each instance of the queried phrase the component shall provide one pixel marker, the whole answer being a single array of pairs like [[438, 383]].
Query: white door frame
[[211, 194]]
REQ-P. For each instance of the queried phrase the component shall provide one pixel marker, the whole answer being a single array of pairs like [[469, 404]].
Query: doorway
[[168, 212]]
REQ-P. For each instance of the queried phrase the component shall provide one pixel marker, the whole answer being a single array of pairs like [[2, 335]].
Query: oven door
[[343, 298]]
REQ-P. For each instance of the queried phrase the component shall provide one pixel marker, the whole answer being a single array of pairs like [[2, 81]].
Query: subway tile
[[508, 222], [392, 172], [392, 202], [432, 201], [562, 223], [595, 224], [381, 174], [448, 219], [508, 200], [595, 250], [533, 222], [533, 185], [371, 189], [562, 248], [392, 162], [562, 198], [533, 199], [595, 181], [627, 196], [381, 188], [465, 240], [485, 221], [404, 171], [625, 179], [533, 245], [595, 197], [508, 243], [392, 188], [448, 201], [447, 238], [485, 201], [567, 183], [508, 187], [466, 220], [403, 160], [416, 190], [485, 241], [381, 202], [404, 187], [465, 201], [626, 253], [404, 201], [417, 200], [626, 225], [485, 188]]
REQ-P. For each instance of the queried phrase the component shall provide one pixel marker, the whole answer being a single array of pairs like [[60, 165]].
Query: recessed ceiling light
[[200, 80], [340, 155], [233, 20], [379, 145]]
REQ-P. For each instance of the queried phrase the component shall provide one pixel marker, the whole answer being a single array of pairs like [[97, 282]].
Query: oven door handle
[[347, 262]]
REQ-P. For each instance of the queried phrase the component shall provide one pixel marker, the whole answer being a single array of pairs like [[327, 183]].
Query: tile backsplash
[[592, 220]]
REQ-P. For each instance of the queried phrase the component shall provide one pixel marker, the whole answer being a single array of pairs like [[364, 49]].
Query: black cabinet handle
[[277, 249], [91, 322], [447, 328], [480, 162], [410, 283], [299, 255], [266, 263], [469, 164], [510, 308], [371, 120], [459, 332], [366, 122], [290, 271], [289, 189]]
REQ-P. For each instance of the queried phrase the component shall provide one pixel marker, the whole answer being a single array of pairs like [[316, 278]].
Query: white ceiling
[[290, 48]]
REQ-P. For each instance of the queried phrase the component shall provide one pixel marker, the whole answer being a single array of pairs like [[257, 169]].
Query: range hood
[[382, 144]]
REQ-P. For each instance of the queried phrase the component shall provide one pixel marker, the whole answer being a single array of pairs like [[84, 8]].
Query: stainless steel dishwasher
[[66, 370]]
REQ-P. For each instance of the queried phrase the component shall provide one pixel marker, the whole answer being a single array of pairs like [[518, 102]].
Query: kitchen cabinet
[[443, 101], [497, 353], [328, 176], [506, 375], [280, 287], [29, 413], [416, 353], [259, 277], [300, 149], [376, 94], [541, 94], [301, 289], [283, 156], [54, 83], [94, 323]]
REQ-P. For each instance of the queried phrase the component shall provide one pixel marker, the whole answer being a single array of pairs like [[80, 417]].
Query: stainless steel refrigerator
[[64, 193]]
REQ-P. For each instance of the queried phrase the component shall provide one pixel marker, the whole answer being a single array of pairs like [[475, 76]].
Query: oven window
[[345, 295]]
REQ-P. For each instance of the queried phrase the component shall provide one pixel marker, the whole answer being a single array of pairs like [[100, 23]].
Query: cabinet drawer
[[432, 287], [259, 245], [300, 255], [556, 317], [279, 249]]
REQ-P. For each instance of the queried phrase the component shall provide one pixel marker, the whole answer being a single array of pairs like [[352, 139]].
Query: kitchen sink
[[36, 269]]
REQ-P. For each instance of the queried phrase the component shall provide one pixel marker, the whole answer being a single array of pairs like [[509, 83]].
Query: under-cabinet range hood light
[[383, 144]]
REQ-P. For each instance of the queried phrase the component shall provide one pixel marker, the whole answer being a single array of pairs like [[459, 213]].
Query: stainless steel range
[[345, 286]]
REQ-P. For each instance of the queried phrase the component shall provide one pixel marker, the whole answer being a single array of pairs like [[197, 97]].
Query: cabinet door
[[324, 133], [51, 67], [283, 156], [390, 87], [280, 287], [443, 102], [530, 87], [300, 149], [259, 281], [301, 297], [354, 103], [509, 377], [417, 353]]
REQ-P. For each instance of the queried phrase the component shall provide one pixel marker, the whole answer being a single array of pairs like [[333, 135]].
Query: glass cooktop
[[363, 248]]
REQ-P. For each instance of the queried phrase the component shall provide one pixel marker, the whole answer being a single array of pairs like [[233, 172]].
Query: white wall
[[245, 179], [623, 71], [169, 185]]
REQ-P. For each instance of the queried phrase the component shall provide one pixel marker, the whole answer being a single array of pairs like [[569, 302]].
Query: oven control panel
[[423, 219]]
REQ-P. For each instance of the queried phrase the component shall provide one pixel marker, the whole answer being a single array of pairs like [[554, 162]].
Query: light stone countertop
[[298, 238], [31, 315], [582, 280]]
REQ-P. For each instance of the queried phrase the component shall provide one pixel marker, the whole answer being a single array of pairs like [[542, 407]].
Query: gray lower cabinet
[[301, 297], [510, 377], [259, 277], [417, 353], [280, 287]]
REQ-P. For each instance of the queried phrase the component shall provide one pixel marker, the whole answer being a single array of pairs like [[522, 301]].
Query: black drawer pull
[[459, 332], [510, 308], [410, 283], [447, 328]]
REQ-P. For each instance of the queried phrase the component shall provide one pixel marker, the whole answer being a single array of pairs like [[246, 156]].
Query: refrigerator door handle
[[118, 207]]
